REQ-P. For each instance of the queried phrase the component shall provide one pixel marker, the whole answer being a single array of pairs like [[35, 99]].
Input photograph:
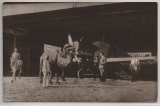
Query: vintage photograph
[[80, 52]]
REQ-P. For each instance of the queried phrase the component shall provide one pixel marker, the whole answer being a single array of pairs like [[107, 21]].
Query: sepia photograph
[[80, 52]]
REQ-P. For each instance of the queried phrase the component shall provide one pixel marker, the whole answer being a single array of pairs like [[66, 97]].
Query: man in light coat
[[15, 57], [46, 72], [102, 63], [134, 67]]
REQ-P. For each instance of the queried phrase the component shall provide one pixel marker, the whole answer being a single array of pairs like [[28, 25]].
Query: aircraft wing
[[126, 60]]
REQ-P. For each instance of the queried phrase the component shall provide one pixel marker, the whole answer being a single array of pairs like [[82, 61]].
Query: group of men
[[134, 65], [100, 63]]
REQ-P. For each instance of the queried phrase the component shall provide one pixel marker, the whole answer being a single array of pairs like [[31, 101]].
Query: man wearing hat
[[46, 72], [134, 67], [102, 63], [15, 55]]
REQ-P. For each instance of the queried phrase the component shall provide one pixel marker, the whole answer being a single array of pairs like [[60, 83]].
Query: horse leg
[[62, 72], [20, 73], [50, 78], [56, 75], [63, 78], [14, 77], [94, 74], [63, 69]]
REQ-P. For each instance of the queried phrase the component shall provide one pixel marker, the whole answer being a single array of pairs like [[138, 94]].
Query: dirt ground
[[28, 89]]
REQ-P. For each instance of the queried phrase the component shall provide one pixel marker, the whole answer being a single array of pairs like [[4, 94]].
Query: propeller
[[70, 40], [81, 39]]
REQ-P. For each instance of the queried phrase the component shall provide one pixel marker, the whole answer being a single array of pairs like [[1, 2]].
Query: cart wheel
[[80, 74]]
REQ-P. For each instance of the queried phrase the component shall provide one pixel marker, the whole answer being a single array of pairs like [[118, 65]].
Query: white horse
[[16, 65]]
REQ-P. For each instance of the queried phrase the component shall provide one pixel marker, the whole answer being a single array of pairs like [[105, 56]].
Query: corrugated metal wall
[[14, 9]]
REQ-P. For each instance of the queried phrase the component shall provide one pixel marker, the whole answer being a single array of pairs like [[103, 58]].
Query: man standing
[[134, 67], [95, 67], [102, 65], [46, 72], [96, 61]]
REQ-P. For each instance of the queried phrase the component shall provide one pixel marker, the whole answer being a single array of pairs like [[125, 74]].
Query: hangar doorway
[[134, 26], [30, 50]]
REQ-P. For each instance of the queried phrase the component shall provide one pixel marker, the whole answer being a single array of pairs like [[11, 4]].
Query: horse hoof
[[12, 81]]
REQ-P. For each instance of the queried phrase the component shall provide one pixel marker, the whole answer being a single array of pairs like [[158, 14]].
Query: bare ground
[[28, 89]]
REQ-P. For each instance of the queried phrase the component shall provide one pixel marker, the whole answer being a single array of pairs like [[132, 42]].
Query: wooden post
[[15, 39]]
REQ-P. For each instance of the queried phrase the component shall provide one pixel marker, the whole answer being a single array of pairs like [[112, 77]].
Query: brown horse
[[16, 65]]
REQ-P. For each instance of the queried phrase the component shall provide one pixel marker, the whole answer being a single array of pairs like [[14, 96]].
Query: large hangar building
[[28, 26]]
